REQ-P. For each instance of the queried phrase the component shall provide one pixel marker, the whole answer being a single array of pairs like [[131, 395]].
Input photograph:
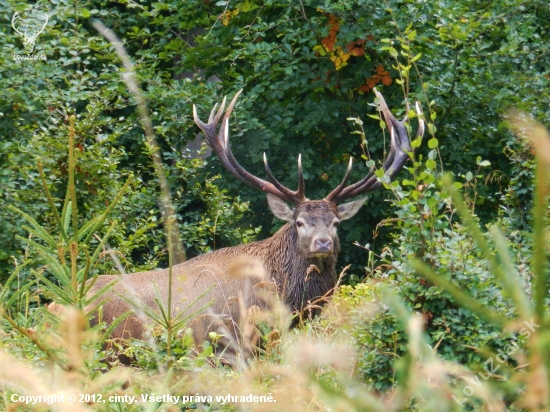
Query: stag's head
[[315, 221]]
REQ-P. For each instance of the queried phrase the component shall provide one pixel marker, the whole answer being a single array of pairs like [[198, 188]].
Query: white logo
[[27, 29]]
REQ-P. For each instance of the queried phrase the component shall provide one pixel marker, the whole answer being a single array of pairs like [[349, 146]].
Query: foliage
[[424, 229], [210, 213], [81, 77], [306, 67], [153, 354], [474, 299]]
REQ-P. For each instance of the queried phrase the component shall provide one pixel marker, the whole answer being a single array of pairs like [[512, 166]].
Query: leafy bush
[[305, 68], [426, 228], [81, 77]]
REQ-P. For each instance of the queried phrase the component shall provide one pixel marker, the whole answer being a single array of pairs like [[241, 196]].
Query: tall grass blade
[[524, 126], [512, 278], [71, 169], [168, 210]]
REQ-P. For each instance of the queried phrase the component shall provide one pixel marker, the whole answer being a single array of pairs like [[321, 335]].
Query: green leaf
[[415, 58], [416, 142], [433, 143], [431, 164]]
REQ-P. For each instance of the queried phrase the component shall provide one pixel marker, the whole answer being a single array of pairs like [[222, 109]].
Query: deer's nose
[[323, 245]]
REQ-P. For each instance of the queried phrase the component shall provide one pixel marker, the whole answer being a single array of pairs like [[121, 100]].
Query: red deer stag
[[282, 263]]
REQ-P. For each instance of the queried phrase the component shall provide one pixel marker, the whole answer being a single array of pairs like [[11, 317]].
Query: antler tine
[[232, 105], [421, 124], [388, 116], [219, 142], [396, 158], [215, 117], [224, 129], [334, 194], [301, 184], [212, 139], [297, 196], [198, 121], [46, 23]]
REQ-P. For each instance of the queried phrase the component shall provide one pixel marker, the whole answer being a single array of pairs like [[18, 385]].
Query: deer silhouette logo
[[28, 34]]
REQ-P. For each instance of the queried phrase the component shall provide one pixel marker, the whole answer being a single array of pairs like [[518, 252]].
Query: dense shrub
[[305, 68], [426, 228]]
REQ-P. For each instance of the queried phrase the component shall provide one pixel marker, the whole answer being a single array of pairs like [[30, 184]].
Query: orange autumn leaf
[[357, 51], [356, 48], [337, 54], [380, 70], [328, 43], [380, 76]]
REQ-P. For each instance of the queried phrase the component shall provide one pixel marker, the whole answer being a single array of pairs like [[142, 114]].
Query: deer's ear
[[348, 210], [280, 208]]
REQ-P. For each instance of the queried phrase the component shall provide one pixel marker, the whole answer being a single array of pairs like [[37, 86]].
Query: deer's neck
[[301, 281]]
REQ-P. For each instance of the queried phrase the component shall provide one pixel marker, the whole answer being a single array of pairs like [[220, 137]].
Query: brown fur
[[230, 279]]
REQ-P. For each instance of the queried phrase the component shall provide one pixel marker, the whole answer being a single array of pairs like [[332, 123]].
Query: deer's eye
[[336, 223], [299, 223]]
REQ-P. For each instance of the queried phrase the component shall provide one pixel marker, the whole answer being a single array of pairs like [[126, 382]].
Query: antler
[[13, 23], [219, 142], [45, 24], [394, 162]]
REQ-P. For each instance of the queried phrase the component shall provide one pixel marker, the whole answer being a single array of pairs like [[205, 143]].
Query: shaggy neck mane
[[302, 281]]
